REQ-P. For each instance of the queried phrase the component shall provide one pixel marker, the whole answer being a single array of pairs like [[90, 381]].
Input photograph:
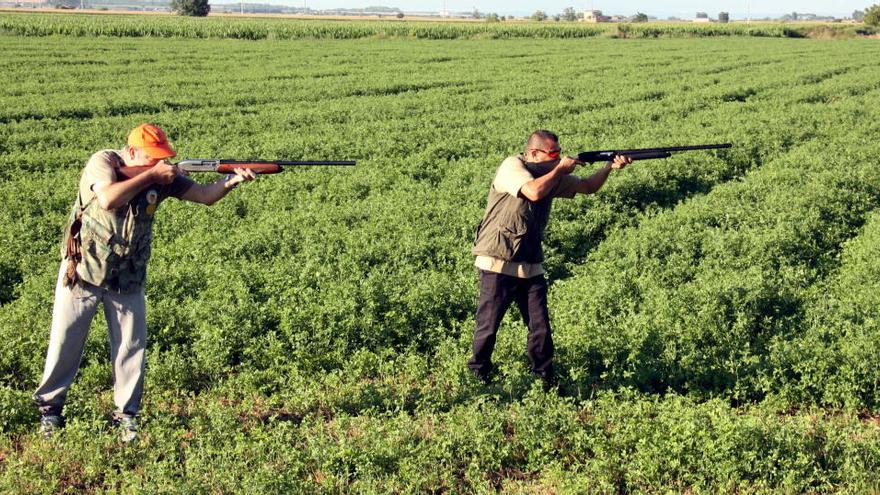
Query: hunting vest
[[110, 248], [512, 228]]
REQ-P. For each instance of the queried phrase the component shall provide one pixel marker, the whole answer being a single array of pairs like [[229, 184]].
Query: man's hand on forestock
[[619, 162], [241, 175], [164, 173]]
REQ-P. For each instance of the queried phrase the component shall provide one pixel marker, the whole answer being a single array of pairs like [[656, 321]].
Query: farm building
[[595, 16]]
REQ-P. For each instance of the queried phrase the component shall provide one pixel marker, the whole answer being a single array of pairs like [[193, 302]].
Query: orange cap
[[152, 139]]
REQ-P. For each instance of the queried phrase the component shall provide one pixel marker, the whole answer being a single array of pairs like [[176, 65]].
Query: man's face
[[137, 157], [548, 150]]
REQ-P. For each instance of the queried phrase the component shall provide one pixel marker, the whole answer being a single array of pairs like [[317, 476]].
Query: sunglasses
[[552, 153]]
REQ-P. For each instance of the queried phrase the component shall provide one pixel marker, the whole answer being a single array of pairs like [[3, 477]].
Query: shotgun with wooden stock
[[223, 166]]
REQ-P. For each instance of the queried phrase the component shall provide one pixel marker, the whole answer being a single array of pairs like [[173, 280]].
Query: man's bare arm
[[595, 182], [112, 195], [538, 189], [208, 194]]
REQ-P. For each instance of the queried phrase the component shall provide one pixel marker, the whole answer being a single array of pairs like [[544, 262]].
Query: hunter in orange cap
[[112, 269], [152, 139]]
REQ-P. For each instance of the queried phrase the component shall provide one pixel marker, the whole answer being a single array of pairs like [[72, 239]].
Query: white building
[[595, 16]]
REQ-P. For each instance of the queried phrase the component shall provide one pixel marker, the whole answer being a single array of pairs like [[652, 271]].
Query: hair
[[538, 137]]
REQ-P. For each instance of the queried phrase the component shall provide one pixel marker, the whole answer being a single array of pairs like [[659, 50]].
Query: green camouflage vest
[[512, 228], [111, 248]]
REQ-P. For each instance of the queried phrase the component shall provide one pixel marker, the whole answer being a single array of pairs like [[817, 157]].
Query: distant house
[[595, 16]]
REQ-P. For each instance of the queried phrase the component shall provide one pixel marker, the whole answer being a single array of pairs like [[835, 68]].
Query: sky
[[679, 8]]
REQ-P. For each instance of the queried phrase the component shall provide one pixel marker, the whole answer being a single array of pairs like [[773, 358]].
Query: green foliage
[[193, 8], [829, 362], [872, 15], [16, 410], [539, 15], [640, 17], [613, 444], [715, 314]]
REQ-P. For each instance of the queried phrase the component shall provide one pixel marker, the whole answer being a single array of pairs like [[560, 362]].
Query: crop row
[[316, 323], [832, 361], [708, 297], [616, 444], [343, 266]]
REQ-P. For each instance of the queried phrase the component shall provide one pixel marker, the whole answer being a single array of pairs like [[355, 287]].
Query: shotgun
[[222, 166], [643, 153]]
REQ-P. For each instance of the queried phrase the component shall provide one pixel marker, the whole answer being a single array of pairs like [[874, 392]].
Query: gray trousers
[[71, 317]]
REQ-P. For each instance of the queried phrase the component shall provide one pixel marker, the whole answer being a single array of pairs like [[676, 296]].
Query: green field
[[716, 315]]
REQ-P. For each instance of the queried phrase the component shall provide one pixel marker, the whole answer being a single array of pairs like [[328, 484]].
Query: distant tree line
[[197, 8], [871, 16], [200, 8]]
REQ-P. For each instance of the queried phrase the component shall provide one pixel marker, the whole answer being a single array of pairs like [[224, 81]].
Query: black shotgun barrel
[[644, 153]]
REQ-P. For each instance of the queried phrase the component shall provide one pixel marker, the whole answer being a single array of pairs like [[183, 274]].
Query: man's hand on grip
[[164, 173], [567, 165]]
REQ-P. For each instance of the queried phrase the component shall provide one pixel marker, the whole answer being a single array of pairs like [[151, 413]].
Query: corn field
[[137, 26]]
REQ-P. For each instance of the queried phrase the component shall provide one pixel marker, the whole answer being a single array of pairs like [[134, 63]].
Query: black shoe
[[548, 380], [486, 378]]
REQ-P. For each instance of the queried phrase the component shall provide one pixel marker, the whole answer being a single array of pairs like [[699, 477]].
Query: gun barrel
[[289, 163], [649, 155], [224, 166], [273, 167], [674, 149], [644, 153]]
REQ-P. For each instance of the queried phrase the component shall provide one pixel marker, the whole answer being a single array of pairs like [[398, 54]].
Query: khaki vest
[[112, 247], [512, 228]]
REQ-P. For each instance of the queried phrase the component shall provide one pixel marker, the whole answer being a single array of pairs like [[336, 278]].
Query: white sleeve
[[511, 176]]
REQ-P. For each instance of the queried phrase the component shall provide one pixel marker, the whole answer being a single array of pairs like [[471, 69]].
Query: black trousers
[[497, 292]]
